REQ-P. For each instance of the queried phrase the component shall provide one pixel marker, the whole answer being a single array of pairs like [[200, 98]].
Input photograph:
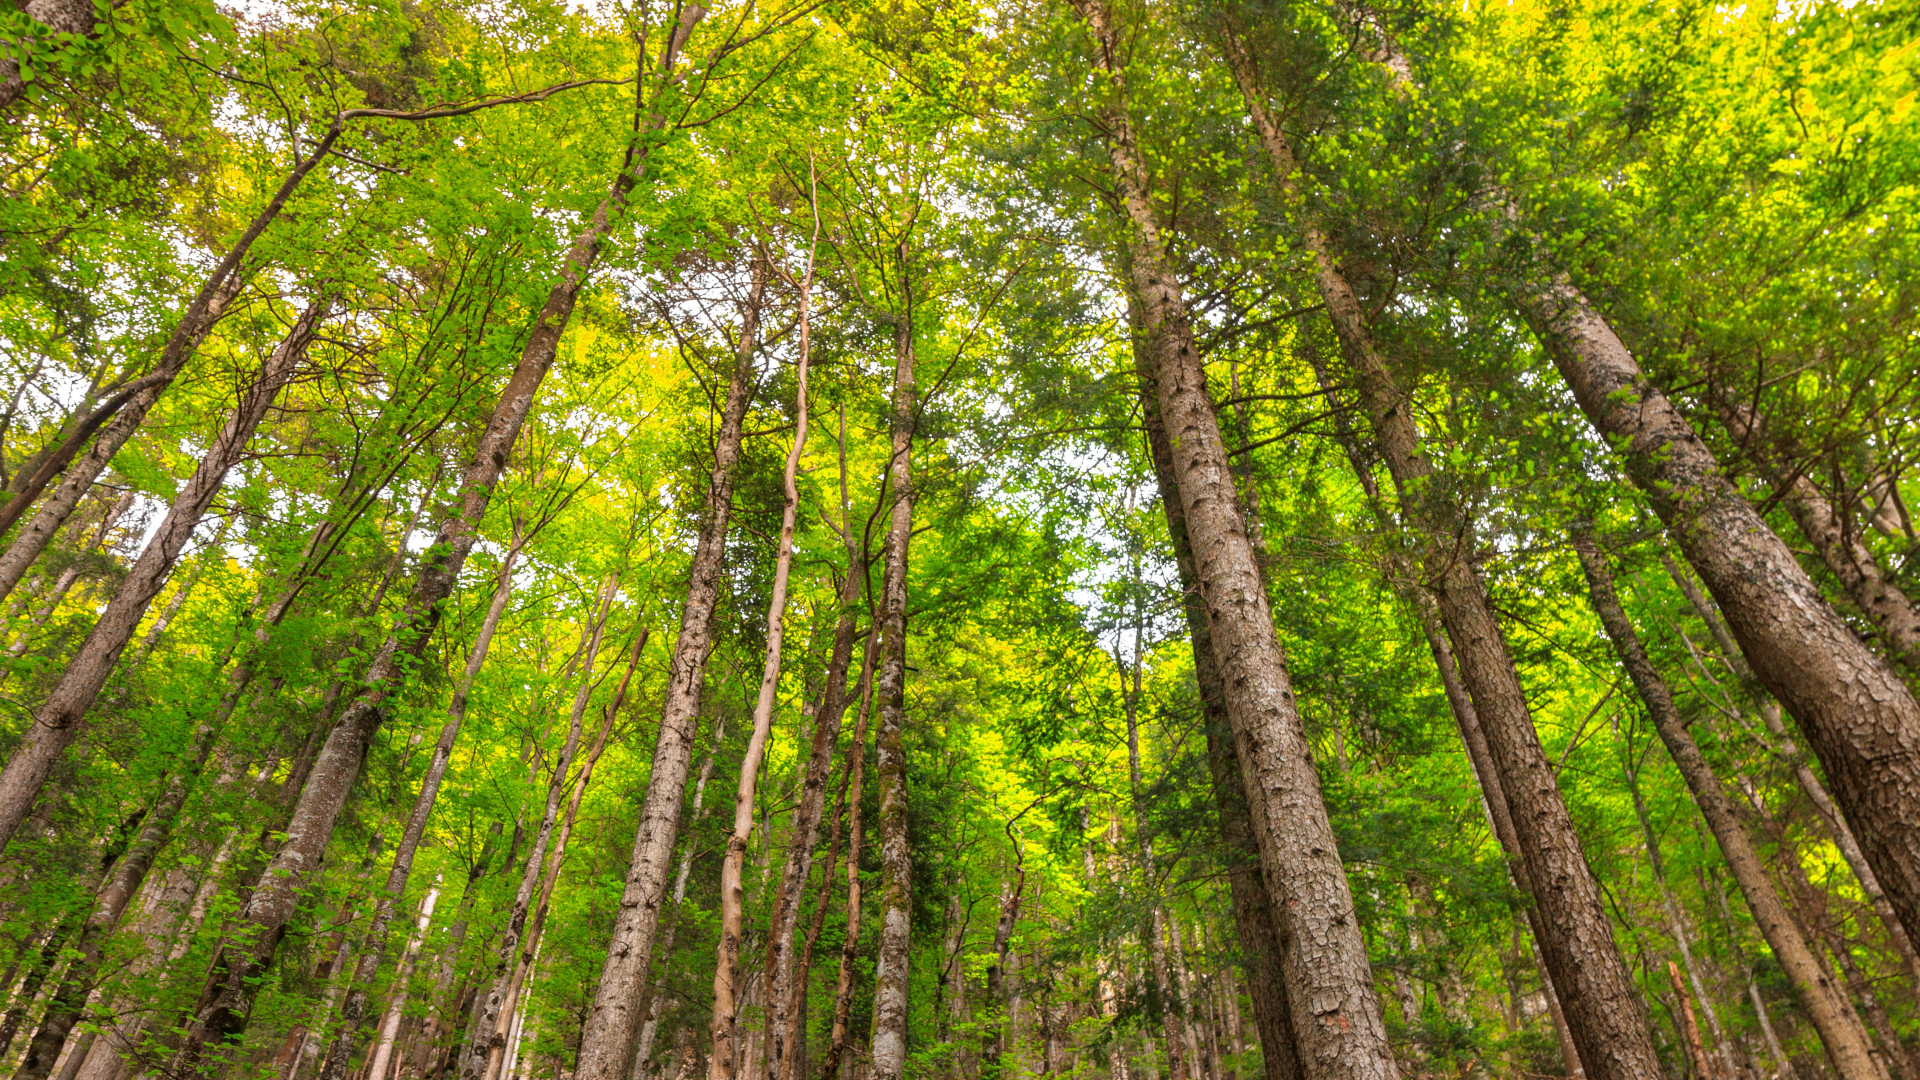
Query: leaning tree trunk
[[492, 1011], [1825, 1004], [1345, 1035], [227, 1001], [58, 721], [890, 759], [1860, 717], [724, 1063], [606, 1038], [1841, 549], [1602, 1006]]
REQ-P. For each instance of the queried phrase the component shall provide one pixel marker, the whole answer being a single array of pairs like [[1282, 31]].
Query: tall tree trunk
[[1607, 1020], [1343, 1036], [786, 988], [1824, 1003], [1155, 937], [1784, 746], [355, 1011], [59, 720], [449, 1012], [397, 994], [856, 769], [1260, 947], [1841, 549], [652, 1003], [606, 1040], [487, 1044], [58, 592], [890, 689], [724, 1063], [1862, 720]]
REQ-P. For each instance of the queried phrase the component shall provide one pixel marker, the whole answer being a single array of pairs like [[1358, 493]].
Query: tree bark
[[785, 987], [1341, 1033], [606, 1040], [1607, 1021], [724, 1063], [1861, 719], [354, 1012], [1260, 947], [1824, 1003], [1845, 554], [486, 1038], [59, 720], [890, 689], [397, 994], [651, 1002], [850, 947]]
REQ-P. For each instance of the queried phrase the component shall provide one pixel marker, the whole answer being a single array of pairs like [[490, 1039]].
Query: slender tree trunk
[[994, 1037], [1260, 947], [1824, 1003], [890, 690], [786, 987], [354, 1012], [487, 1043], [227, 1001], [1784, 746], [1862, 720], [1841, 548], [724, 1063], [59, 720], [450, 1012], [1689, 1027], [1170, 1007], [1344, 1036], [850, 947], [397, 994], [606, 1041]]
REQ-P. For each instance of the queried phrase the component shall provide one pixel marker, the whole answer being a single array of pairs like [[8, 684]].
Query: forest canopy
[[868, 539]]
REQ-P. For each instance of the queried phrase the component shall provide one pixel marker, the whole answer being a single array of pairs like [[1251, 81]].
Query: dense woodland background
[[887, 538]]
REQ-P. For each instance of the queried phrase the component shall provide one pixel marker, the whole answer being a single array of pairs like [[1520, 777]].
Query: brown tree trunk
[[493, 1010], [1784, 746], [1689, 1027], [62, 584], [1260, 947], [785, 988], [1606, 1018], [1345, 1034], [890, 688], [725, 1061], [1824, 1003], [850, 947], [606, 1040], [1841, 548], [59, 720], [1862, 720]]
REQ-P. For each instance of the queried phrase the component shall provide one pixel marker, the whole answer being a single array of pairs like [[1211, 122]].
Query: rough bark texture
[[1861, 719], [606, 1040], [1841, 548], [890, 757], [1260, 947], [58, 721], [1605, 1018], [1338, 1024], [1824, 1003]]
